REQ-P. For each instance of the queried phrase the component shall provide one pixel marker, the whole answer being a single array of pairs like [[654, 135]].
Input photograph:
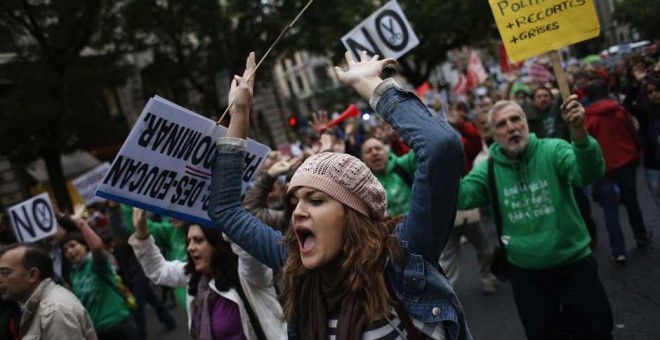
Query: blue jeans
[[626, 179], [653, 182]]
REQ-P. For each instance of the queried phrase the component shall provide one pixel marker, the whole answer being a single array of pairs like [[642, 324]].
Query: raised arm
[[436, 145], [582, 164], [93, 240], [225, 209], [157, 269]]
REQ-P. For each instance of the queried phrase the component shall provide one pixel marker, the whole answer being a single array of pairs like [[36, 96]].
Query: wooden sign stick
[[559, 74], [286, 29]]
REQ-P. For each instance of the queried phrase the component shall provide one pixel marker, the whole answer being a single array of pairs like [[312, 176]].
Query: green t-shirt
[[92, 284]]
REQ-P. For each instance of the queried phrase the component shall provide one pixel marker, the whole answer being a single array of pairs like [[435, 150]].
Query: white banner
[[386, 32], [86, 183], [165, 163], [33, 219]]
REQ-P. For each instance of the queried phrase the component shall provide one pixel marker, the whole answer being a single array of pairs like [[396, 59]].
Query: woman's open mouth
[[306, 239]]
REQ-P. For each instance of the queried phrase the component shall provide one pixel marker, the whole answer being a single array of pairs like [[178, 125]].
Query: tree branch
[[36, 30]]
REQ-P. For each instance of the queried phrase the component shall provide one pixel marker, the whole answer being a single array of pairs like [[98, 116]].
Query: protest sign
[[386, 33], [532, 27], [165, 163], [86, 183], [33, 219]]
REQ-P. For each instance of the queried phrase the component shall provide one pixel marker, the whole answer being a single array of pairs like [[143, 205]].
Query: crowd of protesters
[[356, 232]]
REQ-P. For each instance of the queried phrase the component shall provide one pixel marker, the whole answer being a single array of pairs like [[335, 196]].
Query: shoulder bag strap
[[256, 326], [405, 176], [413, 333], [494, 201]]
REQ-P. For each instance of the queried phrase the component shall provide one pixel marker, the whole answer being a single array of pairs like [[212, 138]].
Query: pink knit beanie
[[344, 178]]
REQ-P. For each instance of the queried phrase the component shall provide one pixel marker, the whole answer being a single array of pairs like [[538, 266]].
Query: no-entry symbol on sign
[[386, 32], [33, 219]]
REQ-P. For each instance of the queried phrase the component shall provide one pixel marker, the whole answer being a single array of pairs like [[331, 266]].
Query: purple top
[[226, 320]]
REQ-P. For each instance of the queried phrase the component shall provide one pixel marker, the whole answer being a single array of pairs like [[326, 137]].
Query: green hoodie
[[399, 193], [539, 213]]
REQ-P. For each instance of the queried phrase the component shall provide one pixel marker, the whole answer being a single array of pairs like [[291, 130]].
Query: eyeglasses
[[4, 272]]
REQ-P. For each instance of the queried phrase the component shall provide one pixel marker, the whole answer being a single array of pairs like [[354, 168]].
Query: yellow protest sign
[[532, 27]]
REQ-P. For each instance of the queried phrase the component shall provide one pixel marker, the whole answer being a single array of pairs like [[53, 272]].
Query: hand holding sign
[[573, 113]]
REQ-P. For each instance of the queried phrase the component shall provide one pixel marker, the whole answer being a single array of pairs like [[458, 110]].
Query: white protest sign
[[165, 163], [86, 183], [33, 219], [386, 32]]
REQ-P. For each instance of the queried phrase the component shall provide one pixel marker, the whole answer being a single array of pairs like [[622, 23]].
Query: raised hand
[[140, 223], [279, 168], [364, 75], [573, 114], [240, 92], [79, 214], [319, 121]]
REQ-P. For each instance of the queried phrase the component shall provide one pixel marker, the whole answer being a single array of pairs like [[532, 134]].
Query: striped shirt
[[391, 328]]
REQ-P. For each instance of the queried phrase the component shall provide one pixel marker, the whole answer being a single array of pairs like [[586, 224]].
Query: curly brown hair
[[367, 245]]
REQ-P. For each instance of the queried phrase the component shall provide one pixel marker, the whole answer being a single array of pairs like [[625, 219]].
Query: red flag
[[505, 64], [476, 73]]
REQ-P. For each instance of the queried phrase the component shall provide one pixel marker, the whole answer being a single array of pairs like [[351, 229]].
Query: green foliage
[[642, 14], [52, 92], [52, 96], [195, 39]]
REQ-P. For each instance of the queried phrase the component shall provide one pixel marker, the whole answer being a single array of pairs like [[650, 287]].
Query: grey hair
[[501, 105]]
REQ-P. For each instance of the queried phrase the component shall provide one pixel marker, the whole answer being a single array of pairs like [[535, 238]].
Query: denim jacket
[[425, 292]]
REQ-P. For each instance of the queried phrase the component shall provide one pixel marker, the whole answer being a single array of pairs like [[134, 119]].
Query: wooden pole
[[559, 74]]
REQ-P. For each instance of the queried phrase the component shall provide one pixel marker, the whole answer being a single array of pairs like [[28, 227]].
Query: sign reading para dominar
[[532, 27], [165, 163]]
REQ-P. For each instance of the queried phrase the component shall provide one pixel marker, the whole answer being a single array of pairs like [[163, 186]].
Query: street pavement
[[633, 290]]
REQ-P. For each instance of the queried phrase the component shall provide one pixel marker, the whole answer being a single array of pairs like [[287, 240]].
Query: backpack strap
[[494, 201]]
